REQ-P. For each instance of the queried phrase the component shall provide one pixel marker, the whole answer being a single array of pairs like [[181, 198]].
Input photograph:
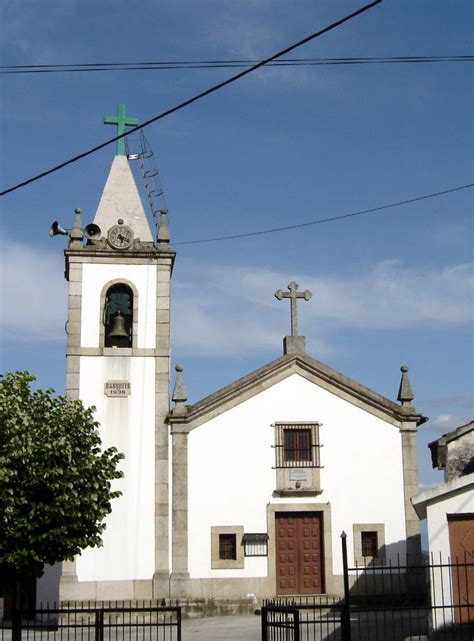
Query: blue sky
[[281, 147]]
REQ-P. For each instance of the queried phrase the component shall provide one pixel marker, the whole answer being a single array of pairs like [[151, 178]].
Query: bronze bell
[[118, 328]]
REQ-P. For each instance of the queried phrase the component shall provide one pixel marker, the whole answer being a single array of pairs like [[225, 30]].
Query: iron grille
[[227, 547], [297, 445], [255, 544], [369, 543]]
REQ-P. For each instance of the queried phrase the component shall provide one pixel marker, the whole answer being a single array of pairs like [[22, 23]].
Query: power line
[[207, 92], [320, 221], [225, 64]]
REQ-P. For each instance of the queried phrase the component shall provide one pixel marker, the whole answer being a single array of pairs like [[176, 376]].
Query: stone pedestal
[[294, 345]]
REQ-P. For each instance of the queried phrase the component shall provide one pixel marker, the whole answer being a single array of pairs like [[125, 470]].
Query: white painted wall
[[458, 502], [128, 424], [95, 277], [455, 497], [231, 479]]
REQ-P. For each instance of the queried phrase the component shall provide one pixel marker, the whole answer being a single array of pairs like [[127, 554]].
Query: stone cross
[[293, 295], [121, 121]]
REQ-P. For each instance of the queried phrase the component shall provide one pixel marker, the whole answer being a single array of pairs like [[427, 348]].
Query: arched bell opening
[[118, 316]]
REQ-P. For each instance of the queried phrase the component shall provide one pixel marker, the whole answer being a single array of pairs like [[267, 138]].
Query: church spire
[[120, 200]]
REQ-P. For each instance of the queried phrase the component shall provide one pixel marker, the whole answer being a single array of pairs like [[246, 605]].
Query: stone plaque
[[117, 388], [298, 474]]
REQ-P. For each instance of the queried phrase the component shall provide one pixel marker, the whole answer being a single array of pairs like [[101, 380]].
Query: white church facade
[[269, 471], [246, 491]]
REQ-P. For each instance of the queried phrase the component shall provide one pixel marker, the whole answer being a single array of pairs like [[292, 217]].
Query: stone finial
[[293, 295], [163, 229], [179, 393], [76, 235], [405, 393], [293, 344]]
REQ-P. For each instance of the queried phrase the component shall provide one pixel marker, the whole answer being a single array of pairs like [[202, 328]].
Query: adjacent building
[[449, 511]]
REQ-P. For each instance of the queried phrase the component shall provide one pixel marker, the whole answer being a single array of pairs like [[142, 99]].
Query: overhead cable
[[226, 64], [320, 221], [189, 101]]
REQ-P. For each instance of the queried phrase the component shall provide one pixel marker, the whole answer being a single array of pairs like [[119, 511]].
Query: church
[[247, 491]]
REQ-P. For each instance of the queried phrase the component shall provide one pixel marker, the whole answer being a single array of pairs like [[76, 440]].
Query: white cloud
[[447, 422], [394, 296], [222, 309], [33, 293], [245, 33]]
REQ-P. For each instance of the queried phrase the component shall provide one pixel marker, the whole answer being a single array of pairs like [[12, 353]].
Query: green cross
[[121, 121]]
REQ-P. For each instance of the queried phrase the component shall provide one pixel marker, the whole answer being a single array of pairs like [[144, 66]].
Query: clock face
[[120, 237]]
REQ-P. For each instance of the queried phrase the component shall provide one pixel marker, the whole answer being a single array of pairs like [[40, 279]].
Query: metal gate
[[280, 623], [392, 602], [94, 624]]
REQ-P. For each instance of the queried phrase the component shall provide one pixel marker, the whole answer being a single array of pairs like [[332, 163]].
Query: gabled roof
[[438, 446], [464, 484], [279, 369]]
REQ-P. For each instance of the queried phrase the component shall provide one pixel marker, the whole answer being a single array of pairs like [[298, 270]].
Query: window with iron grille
[[297, 445], [227, 547], [369, 542], [255, 544]]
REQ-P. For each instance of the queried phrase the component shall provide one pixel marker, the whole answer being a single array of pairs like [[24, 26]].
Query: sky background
[[280, 147]]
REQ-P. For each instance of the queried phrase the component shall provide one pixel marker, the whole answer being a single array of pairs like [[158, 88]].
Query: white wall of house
[[128, 424], [95, 277], [231, 479], [455, 497]]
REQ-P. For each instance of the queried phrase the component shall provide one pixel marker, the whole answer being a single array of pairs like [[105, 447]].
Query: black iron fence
[[113, 623], [302, 619], [280, 623], [382, 602]]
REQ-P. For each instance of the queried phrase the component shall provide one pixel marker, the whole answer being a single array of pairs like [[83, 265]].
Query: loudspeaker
[[56, 229], [92, 232]]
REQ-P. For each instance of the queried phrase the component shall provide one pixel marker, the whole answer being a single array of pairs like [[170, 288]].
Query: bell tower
[[118, 351]]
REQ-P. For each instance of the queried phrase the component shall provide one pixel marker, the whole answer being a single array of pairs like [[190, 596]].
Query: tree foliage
[[55, 480]]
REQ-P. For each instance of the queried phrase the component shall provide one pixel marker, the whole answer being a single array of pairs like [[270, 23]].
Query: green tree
[[55, 480]]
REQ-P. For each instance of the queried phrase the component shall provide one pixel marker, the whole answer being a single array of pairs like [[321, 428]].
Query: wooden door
[[299, 537], [461, 543]]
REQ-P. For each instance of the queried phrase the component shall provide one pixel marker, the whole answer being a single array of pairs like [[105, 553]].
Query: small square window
[[227, 550], [297, 445], [369, 542], [227, 547]]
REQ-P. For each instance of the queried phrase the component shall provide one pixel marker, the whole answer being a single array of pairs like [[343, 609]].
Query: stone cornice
[[115, 351], [279, 369], [144, 251], [145, 255]]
